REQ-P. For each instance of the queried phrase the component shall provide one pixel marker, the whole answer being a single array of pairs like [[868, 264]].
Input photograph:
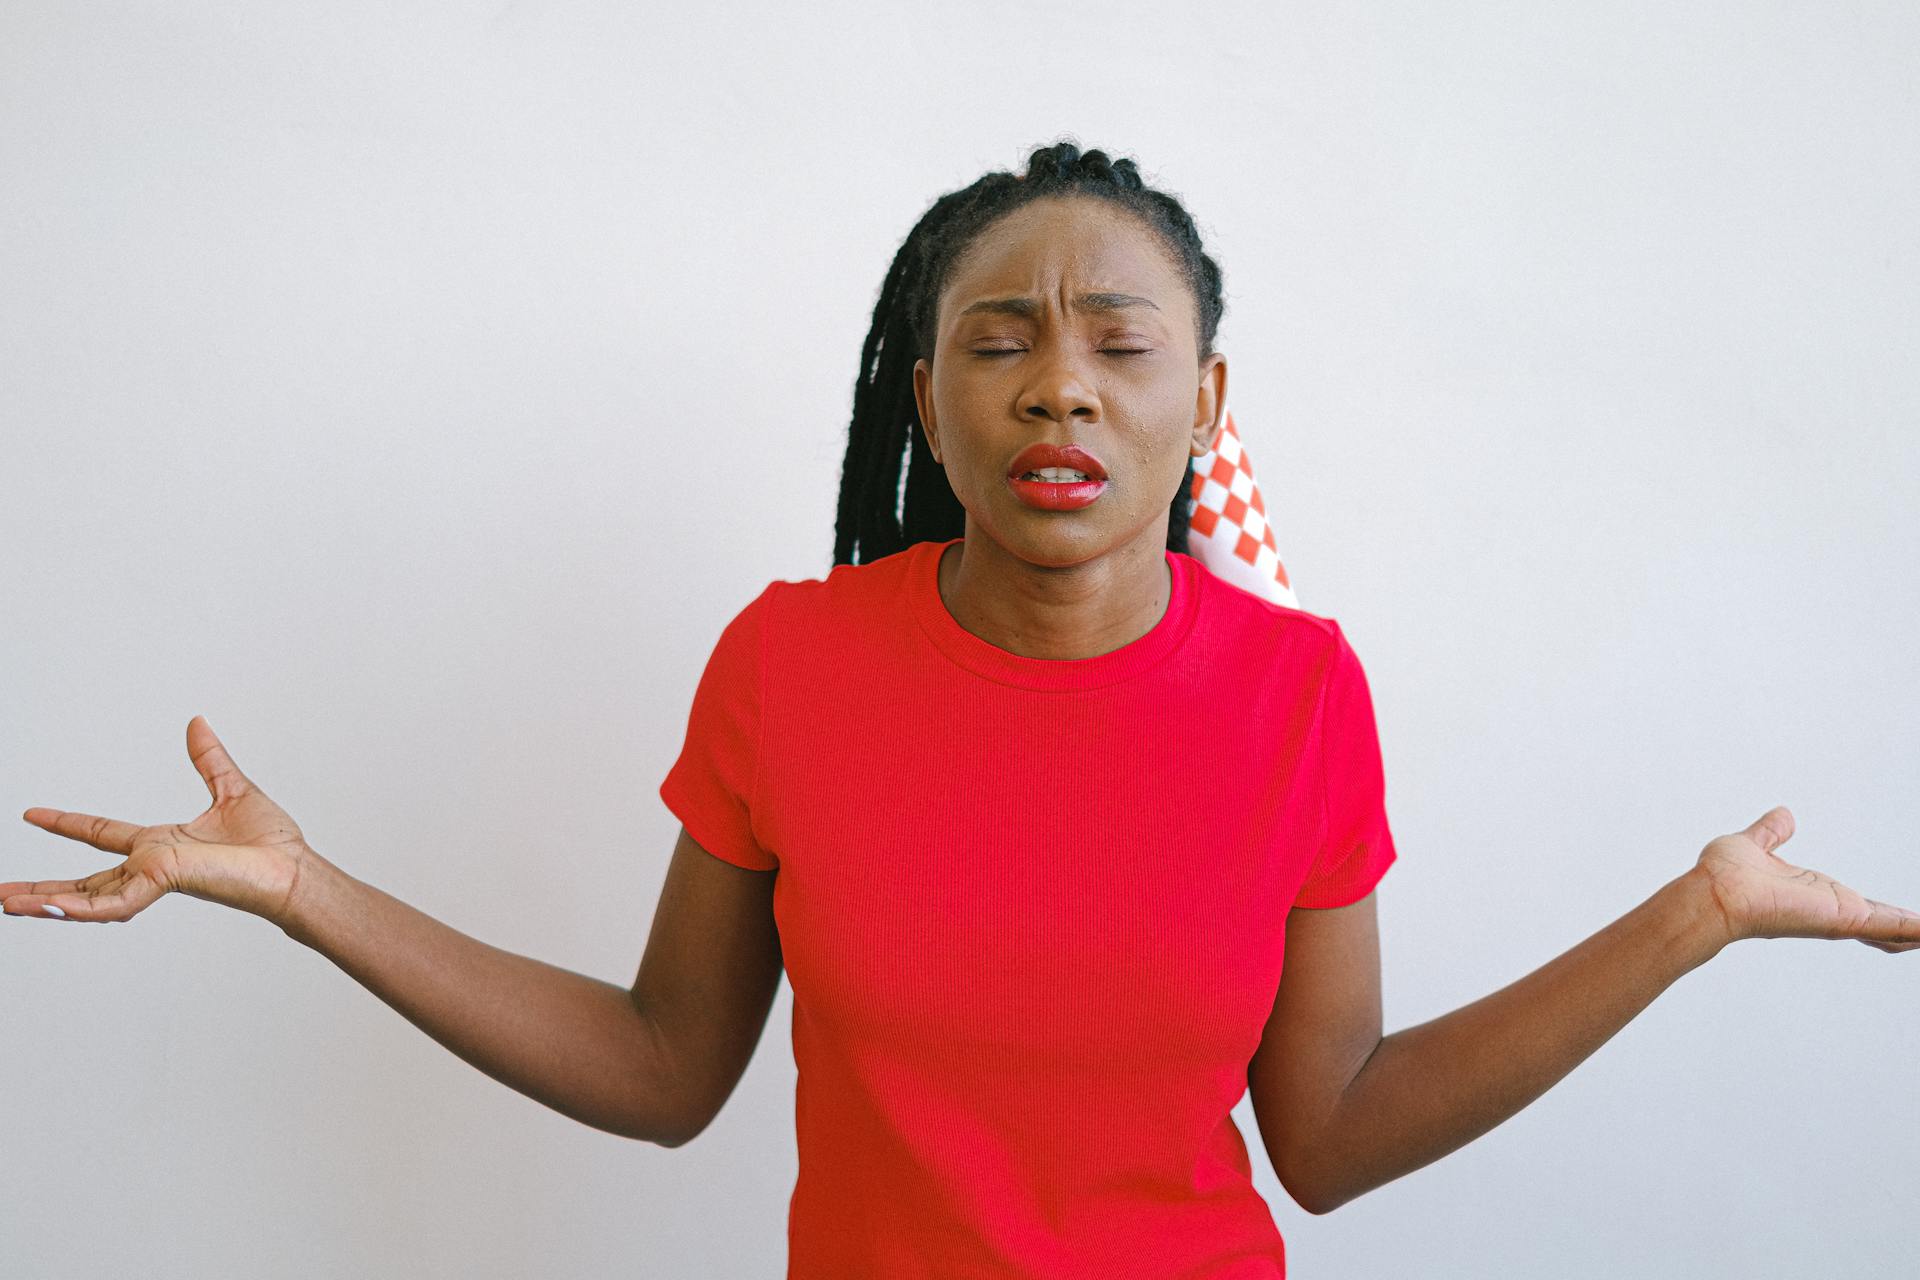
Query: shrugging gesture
[[1430, 1089], [243, 852], [589, 1049], [1761, 895]]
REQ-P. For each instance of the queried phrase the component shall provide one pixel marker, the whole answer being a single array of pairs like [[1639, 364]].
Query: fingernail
[[50, 909]]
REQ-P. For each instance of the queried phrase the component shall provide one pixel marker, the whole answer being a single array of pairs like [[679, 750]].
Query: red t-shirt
[[1032, 911]]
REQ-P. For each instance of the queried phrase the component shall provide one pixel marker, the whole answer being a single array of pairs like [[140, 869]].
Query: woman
[[1032, 899]]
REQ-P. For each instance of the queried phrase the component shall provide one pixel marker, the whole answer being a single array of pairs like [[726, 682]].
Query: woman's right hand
[[243, 852]]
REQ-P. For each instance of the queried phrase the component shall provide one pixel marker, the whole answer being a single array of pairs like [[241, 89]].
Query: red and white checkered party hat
[[1229, 532]]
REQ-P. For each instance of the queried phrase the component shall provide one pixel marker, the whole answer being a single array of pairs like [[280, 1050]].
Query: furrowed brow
[[1028, 306], [1115, 301]]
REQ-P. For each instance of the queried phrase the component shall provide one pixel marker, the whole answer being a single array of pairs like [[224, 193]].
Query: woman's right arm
[[652, 1063], [582, 1046]]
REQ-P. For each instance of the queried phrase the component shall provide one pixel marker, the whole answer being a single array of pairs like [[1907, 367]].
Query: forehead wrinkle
[[1026, 306]]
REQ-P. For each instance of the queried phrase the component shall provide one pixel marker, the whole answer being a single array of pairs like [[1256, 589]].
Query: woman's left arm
[[1431, 1089]]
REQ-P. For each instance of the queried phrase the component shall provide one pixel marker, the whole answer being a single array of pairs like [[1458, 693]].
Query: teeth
[[1056, 474]]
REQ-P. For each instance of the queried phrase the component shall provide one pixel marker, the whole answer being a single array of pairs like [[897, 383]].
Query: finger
[[109, 835], [93, 883], [114, 901], [103, 896], [223, 778], [23, 898], [35, 888], [1888, 923], [1771, 829]]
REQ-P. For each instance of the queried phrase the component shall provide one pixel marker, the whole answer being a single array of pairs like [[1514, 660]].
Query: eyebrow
[[1028, 306]]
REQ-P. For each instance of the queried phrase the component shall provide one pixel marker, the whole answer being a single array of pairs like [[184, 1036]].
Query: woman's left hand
[[1761, 895]]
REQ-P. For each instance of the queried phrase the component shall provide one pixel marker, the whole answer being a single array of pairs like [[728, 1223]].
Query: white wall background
[[416, 390]]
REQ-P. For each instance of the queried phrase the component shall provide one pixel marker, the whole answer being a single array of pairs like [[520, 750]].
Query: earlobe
[[1206, 434]]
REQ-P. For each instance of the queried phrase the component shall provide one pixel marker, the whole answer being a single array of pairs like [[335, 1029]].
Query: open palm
[[1762, 895], [242, 852]]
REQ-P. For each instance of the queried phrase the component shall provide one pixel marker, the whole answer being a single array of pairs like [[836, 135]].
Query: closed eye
[[1107, 351]]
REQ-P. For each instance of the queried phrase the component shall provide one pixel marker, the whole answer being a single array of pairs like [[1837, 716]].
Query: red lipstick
[[1056, 495]]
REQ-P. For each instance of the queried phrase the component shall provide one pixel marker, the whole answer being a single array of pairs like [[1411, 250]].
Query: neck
[[1056, 611]]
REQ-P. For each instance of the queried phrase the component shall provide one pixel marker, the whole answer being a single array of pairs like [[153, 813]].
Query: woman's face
[[1066, 323]]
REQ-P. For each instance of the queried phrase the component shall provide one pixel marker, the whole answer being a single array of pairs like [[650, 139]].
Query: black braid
[[875, 517]]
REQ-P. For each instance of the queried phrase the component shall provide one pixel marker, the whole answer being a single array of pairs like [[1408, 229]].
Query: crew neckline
[[990, 660]]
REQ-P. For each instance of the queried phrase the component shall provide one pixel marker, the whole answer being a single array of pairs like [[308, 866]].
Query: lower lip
[[1049, 495]]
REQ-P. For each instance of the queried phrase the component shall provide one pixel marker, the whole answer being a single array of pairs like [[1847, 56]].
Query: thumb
[[223, 778], [1771, 829]]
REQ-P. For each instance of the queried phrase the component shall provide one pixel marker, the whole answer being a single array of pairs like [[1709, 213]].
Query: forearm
[[574, 1043], [1431, 1089]]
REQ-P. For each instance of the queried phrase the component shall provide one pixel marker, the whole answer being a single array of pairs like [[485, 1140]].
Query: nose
[[1057, 391]]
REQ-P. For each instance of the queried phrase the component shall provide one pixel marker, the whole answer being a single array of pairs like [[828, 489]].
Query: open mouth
[[1035, 490]]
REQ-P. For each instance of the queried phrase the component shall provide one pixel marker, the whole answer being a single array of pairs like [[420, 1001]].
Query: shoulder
[[1239, 618], [848, 597]]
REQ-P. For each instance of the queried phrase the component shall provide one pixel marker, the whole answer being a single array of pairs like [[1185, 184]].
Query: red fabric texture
[[1033, 911]]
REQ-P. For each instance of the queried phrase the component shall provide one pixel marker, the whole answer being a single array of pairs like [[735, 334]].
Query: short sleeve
[[710, 788], [1358, 847]]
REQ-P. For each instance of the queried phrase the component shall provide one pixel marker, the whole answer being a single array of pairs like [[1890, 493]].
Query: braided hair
[[878, 515]]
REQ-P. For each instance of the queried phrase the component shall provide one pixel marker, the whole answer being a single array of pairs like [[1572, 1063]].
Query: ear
[[923, 400], [1209, 403]]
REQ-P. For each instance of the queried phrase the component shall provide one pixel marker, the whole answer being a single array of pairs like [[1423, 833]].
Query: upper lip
[[1038, 457]]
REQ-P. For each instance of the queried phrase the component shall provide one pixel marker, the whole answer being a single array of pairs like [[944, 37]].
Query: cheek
[[962, 397], [1158, 458]]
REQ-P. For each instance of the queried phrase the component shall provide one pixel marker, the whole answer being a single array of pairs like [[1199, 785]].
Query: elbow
[[1310, 1192], [1299, 1190], [681, 1137], [661, 1133], [678, 1124], [1317, 1205], [1320, 1203], [1308, 1200], [654, 1135], [659, 1127], [661, 1137], [1319, 1208], [665, 1111]]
